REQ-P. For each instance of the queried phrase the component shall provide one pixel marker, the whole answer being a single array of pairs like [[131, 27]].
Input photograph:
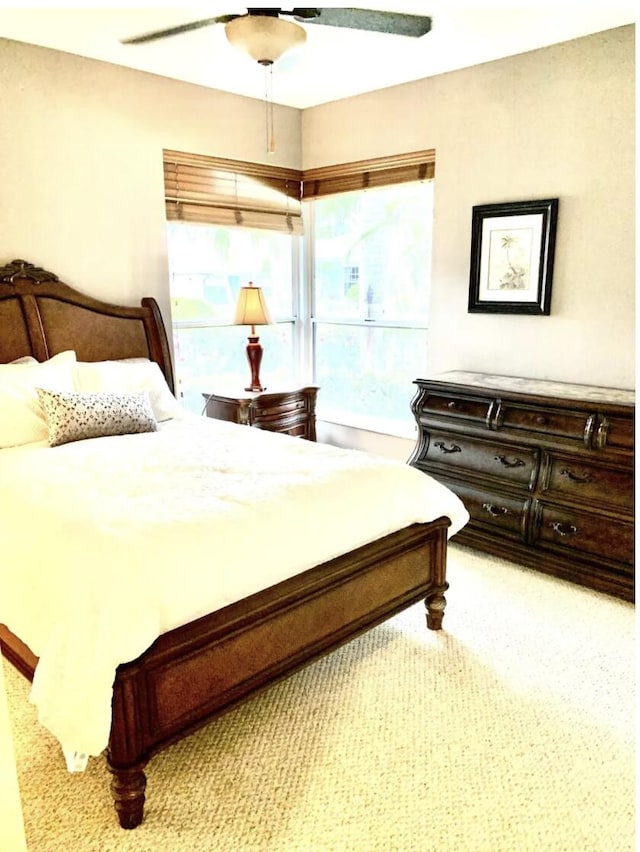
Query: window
[[208, 265], [371, 273], [230, 223], [359, 323]]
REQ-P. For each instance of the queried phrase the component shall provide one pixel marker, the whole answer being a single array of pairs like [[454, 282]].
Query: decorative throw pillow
[[128, 375], [21, 417], [76, 416]]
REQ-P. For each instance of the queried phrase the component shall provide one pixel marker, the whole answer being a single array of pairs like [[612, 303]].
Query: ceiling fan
[[266, 34]]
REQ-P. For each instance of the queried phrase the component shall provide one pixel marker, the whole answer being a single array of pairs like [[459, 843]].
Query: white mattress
[[109, 542]]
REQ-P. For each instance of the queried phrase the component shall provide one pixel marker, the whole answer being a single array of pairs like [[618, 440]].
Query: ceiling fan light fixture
[[264, 37]]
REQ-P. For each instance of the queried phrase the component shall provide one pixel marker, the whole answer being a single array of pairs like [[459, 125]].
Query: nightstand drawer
[[267, 408], [295, 427]]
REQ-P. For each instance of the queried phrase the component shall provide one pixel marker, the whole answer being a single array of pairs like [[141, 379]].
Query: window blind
[[367, 174], [217, 191]]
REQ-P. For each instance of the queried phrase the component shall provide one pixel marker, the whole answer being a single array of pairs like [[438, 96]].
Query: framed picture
[[512, 249]]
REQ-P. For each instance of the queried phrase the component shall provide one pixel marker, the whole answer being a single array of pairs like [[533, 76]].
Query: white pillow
[[22, 419], [127, 376], [78, 416], [26, 359]]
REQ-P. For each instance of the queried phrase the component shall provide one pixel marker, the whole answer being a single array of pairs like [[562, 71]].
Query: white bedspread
[[109, 542]]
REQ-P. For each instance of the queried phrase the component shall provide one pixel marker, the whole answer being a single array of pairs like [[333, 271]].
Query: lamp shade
[[251, 308], [264, 37]]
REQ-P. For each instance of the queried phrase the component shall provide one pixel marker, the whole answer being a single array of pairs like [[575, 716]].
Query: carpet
[[511, 730]]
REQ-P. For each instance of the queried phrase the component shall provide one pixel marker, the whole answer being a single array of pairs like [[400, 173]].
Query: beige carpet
[[512, 730]]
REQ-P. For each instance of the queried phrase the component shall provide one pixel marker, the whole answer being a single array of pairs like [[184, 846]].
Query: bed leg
[[435, 603], [127, 789]]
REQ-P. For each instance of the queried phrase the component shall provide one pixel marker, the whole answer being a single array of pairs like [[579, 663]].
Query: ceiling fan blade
[[354, 19], [182, 28], [369, 19]]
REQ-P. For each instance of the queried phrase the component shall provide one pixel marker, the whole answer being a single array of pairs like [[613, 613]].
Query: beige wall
[[81, 186], [557, 122]]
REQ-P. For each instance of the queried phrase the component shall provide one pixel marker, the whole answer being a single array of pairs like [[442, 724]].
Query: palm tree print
[[515, 276]]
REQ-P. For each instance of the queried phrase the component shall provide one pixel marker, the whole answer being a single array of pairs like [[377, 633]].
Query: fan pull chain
[[268, 99]]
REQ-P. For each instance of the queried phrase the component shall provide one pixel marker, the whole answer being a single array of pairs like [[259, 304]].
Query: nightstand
[[290, 411]]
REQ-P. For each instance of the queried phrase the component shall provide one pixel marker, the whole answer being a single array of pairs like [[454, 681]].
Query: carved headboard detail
[[23, 269], [41, 316]]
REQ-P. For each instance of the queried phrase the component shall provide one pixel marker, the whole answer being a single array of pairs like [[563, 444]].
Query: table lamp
[[252, 310]]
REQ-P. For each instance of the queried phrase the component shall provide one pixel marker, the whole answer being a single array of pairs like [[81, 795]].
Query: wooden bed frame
[[200, 670]]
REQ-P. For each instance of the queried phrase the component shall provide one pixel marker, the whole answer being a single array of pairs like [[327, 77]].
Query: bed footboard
[[201, 670]]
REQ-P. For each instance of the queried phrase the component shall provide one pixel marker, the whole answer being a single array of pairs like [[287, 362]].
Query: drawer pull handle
[[454, 448], [601, 434], [580, 478], [541, 420], [451, 404], [505, 461], [563, 529], [588, 430], [495, 511]]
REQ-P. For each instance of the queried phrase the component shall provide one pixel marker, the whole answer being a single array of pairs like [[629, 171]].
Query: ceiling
[[334, 63]]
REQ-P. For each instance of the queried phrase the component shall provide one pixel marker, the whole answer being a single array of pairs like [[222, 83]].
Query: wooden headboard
[[41, 316]]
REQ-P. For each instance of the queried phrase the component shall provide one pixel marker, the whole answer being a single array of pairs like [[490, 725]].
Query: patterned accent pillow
[[76, 416]]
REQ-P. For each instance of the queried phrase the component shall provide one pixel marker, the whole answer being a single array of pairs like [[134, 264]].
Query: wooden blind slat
[[246, 202], [235, 166], [230, 217], [204, 180], [368, 174], [228, 192]]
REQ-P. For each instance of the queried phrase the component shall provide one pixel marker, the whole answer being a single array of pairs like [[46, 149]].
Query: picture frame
[[512, 254]]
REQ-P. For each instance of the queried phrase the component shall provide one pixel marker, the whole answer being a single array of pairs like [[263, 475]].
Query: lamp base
[[254, 357]]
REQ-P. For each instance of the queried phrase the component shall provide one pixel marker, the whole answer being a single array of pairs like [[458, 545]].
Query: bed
[[285, 592]]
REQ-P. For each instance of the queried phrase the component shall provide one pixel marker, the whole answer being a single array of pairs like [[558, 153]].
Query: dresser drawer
[[598, 535], [493, 511], [470, 408], [574, 425], [514, 464], [616, 433], [580, 480]]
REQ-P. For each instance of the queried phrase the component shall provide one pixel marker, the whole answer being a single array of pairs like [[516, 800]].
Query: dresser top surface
[[538, 387]]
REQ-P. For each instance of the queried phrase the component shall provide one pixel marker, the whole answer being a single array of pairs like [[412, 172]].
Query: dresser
[[292, 410], [545, 469]]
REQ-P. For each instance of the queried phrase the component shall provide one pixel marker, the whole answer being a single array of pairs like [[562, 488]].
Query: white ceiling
[[334, 63]]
